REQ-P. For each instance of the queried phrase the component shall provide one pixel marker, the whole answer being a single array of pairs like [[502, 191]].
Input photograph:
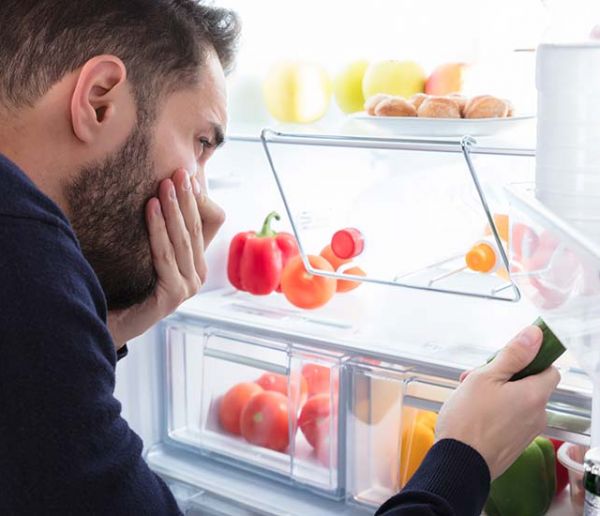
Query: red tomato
[[265, 421], [562, 474], [232, 404], [318, 378], [303, 289], [348, 285], [336, 262], [315, 418], [323, 451], [279, 383]]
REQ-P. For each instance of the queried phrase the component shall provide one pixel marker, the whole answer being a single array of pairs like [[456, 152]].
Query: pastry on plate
[[461, 100], [395, 106], [439, 107], [371, 102], [417, 99], [486, 106]]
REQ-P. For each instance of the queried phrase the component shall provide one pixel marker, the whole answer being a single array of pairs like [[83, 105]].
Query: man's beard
[[107, 207]]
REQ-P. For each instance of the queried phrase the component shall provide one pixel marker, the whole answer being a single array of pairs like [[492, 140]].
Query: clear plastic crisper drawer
[[557, 267], [255, 403], [391, 427], [404, 212]]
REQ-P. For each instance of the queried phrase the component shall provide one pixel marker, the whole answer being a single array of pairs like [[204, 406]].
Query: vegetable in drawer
[[528, 486], [418, 436]]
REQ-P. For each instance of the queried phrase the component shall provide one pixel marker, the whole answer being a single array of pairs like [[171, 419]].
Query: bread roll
[[461, 100], [486, 106], [439, 107], [511, 108], [395, 106], [372, 102], [417, 99]]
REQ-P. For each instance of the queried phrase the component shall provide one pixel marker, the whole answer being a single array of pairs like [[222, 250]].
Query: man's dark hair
[[163, 43]]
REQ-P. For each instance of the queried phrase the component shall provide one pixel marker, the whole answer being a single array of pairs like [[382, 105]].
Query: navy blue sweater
[[64, 447]]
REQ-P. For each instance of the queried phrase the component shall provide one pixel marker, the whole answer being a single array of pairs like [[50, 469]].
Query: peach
[[445, 79]]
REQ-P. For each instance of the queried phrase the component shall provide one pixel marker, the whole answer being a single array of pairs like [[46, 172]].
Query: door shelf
[[558, 269]]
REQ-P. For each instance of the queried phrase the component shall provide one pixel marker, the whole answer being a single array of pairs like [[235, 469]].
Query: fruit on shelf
[[233, 403], [347, 87], [338, 265], [404, 78], [256, 260], [265, 421], [297, 92], [304, 289], [445, 79]]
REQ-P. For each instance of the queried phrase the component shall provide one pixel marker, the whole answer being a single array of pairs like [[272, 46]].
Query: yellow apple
[[404, 78], [445, 79], [297, 92], [347, 87]]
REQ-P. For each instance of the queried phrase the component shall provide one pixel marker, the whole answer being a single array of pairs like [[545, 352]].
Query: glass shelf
[[417, 226]]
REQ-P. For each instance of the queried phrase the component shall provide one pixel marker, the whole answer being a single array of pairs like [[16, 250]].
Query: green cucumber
[[550, 350]]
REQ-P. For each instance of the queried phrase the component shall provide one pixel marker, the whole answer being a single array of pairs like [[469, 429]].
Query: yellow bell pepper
[[418, 436]]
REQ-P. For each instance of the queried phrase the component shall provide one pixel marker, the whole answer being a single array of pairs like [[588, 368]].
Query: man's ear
[[100, 85]]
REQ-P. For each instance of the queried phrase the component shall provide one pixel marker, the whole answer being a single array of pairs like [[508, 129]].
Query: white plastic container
[[571, 457], [568, 155]]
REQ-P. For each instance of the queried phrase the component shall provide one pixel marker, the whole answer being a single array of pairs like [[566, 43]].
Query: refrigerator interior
[[390, 355]]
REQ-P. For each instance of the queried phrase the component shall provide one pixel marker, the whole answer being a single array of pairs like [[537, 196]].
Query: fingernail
[[157, 208], [528, 337], [172, 193], [186, 182], [196, 186]]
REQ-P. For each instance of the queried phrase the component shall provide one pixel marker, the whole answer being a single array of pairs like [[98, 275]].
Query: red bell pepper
[[257, 259]]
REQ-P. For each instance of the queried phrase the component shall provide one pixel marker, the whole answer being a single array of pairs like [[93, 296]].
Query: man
[[109, 111]]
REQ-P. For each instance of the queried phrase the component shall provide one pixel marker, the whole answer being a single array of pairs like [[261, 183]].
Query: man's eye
[[206, 144]]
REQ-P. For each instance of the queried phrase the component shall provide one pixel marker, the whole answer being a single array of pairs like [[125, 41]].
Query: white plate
[[414, 126]]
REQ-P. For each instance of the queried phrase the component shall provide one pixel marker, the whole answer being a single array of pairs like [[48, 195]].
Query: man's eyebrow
[[218, 135]]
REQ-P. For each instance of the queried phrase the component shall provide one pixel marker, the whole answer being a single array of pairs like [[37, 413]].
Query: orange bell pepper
[[418, 436]]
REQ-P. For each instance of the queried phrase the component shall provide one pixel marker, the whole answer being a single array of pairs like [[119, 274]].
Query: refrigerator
[[389, 352]]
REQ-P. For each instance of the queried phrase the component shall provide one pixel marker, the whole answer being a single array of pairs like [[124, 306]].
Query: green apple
[[347, 87], [297, 91], [404, 78]]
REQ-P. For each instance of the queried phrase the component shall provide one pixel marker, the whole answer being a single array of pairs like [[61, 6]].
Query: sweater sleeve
[[453, 480], [65, 449]]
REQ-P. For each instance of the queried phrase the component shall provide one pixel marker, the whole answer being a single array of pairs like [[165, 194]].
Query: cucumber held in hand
[[550, 350]]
